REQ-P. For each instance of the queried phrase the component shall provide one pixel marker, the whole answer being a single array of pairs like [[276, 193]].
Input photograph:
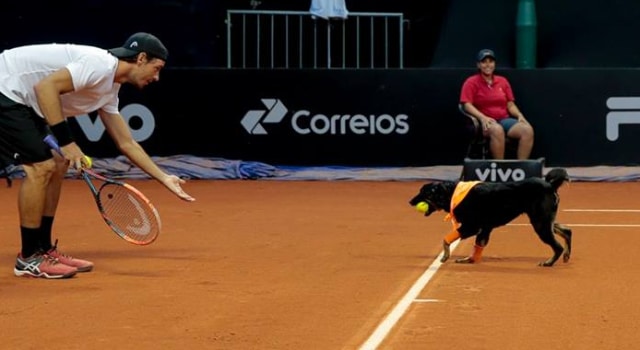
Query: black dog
[[479, 207]]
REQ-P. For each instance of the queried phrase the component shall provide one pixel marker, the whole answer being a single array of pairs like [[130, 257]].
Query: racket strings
[[129, 213]]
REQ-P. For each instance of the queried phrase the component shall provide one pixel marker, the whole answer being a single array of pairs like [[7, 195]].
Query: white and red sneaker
[[42, 265], [80, 264]]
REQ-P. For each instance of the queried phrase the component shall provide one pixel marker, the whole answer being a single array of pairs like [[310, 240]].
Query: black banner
[[369, 117]]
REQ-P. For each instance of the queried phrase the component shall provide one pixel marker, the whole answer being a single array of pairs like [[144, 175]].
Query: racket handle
[[51, 141]]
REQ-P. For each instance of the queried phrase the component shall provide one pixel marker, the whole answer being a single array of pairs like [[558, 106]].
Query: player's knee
[[42, 169]]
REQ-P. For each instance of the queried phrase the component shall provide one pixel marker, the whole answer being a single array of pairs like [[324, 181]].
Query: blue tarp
[[191, 167]]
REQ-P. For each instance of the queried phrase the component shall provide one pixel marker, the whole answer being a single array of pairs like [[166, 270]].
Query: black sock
[[45, 232], [30, 241]]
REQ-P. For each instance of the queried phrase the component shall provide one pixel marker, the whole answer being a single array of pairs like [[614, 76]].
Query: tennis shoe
[[42, 265], [80, 264]]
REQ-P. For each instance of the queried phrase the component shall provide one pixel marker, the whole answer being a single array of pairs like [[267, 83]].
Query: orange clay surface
[[320, 265]]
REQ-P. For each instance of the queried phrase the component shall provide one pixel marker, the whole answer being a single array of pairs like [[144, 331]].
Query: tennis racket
[[123, 207]]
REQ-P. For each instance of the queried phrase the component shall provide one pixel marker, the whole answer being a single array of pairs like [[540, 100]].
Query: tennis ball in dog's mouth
[[422, 207]]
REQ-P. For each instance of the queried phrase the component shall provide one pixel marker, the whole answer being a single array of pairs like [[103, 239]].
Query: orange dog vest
[[461, 191]]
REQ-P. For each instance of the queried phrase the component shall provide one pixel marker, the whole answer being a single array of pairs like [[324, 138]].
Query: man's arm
[[48, 92], [121, 135]]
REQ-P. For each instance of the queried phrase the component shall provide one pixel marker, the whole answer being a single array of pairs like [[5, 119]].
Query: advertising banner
[[403, 117]]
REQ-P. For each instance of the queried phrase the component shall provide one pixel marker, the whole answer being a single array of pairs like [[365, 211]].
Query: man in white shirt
[[42, 85]]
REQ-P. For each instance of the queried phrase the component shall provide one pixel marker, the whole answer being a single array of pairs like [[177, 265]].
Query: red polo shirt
[[488, 99]]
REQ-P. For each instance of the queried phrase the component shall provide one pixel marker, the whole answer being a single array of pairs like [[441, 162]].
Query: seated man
[[488, 98]]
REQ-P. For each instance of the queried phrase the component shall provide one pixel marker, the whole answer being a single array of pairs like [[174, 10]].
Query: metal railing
[[297, 39]]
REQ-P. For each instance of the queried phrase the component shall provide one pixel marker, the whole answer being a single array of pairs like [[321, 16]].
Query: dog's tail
[[556, 177]]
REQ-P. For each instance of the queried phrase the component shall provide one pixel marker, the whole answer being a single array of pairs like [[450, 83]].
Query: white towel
[[329, 9]]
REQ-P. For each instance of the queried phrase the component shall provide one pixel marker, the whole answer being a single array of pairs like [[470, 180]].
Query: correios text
[[303, 122]]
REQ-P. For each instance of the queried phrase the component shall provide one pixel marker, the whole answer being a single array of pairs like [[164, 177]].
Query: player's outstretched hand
[[173, 183]]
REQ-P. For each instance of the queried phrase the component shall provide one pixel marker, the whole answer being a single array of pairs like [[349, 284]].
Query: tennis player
[[40, 86]]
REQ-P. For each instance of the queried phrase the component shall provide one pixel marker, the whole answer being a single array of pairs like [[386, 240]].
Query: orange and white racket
[[128, 212]]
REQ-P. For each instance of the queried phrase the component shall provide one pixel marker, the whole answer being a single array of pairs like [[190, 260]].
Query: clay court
[[325, 265]]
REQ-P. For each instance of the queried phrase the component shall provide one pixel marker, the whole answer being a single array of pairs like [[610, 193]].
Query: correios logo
[[305, 122], [274, 114]]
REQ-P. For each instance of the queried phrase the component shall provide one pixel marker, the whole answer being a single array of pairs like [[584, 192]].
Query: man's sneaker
[[79, 264], [42, 265]]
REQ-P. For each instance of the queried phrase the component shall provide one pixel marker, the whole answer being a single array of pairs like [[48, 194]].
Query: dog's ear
[[557, 177], [449, 187], [441, 194]]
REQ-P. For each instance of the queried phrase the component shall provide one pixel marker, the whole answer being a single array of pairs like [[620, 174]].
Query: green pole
[[526, 28]]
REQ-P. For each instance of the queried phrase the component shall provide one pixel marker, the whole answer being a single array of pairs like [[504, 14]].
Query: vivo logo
[[625, 110], [493, 173], [95, 130]]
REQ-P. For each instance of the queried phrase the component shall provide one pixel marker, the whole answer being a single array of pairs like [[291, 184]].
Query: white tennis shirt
[[92, 71]]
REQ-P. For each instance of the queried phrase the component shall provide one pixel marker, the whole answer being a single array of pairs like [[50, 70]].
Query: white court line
[[604, 210], [398, 311], [587, 225], [383, 329]]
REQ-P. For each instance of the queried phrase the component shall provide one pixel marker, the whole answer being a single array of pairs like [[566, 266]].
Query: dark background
[[438, 33], [587, 52], [567, 107]]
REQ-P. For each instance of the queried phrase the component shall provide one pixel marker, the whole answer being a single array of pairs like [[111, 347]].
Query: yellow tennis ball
[[422, 207], [88, 162]]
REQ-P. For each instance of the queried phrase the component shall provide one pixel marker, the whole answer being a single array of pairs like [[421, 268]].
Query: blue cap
[[484, 53]]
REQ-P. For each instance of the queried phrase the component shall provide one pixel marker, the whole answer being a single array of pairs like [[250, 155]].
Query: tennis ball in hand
[[88, 162], [422, 207]]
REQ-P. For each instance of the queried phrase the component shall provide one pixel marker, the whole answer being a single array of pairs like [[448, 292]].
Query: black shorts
[[22, 132]]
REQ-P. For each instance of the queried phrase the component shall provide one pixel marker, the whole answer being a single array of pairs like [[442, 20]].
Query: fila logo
[[276, 111], [625, 110]]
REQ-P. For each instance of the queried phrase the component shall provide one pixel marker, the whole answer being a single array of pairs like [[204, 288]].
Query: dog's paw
[[547, 263], [467, 260], [446, 252]]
